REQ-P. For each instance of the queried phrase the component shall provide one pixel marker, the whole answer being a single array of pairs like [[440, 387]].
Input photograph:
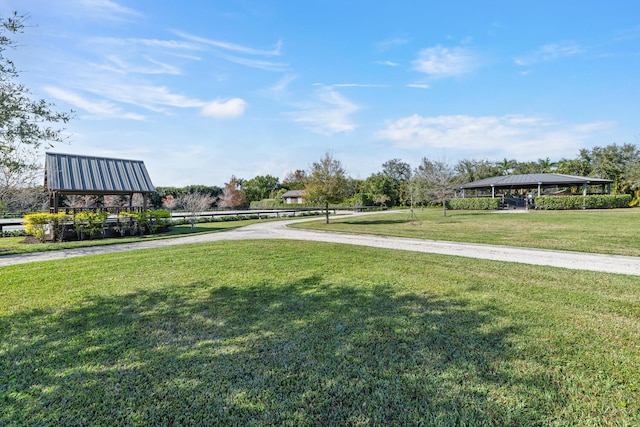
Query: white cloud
[[385, 45], [229, 109], [419, 85], [512, 136], [550, 52], [329, 115], [440, 61], [232, 46]]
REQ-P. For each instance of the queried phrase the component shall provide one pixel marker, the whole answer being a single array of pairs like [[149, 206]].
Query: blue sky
[[203, 89]]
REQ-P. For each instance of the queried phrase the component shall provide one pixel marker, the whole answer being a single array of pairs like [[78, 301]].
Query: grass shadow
[[306, 352]]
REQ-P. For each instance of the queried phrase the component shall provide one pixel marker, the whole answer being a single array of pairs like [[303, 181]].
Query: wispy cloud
[[232, 46], [150, 66], [441, 61], [231, 51], [391, 43], [100, 109], [357, 85], [387, 63], [493, 136], [328, 115], [550, 52], [282, 84], [108, 10]]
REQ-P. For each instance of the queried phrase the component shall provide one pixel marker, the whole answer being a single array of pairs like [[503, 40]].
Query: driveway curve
[[279, 230]]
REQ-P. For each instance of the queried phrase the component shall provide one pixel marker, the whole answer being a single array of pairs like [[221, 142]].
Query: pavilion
[[69, 174], [535, 182]]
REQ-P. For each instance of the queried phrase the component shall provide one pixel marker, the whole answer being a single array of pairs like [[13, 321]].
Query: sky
[[201, 90]]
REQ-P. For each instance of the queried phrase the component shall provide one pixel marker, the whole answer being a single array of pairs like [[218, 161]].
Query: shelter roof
[[73, 174], [294, 193], [533, 180]]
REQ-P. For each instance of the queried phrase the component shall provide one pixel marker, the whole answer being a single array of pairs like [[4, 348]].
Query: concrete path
[[278, 230]]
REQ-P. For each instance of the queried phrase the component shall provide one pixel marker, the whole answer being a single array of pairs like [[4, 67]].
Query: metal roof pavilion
[[534, 180], [72, 174]]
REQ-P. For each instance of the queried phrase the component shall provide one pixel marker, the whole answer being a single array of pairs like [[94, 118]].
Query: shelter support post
[[493, 192], [539, 188], [584, 189]]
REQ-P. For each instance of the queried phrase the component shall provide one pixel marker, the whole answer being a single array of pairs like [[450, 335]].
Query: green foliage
[[39, 224], [25, 124], [260, 187], [326, 183], [477, 204], [89, 223], [361, 199], [603, 201]]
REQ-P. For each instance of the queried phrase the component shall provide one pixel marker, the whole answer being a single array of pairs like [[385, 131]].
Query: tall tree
[[294, 180], [436, 180], [327, 182], [25, 124], [400, 173], [232, 195], [260, 187], [195, 203]]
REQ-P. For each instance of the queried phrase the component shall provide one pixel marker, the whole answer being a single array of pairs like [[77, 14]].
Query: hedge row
[[604, 201], [476, 204]]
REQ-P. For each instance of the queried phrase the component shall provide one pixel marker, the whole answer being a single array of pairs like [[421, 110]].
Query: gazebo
[[535, 182], [71, 174]]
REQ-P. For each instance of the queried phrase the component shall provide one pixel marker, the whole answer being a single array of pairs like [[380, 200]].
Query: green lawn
[[299, 333], [615, 231]]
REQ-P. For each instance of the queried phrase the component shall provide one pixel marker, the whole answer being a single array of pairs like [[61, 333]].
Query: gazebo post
[[584, 189], [539, 188], [493, 192]]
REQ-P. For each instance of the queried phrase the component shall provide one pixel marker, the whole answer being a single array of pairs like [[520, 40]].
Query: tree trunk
[[326, 206]]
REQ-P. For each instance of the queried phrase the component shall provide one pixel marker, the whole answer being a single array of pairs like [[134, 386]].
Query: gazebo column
[[464, 193], [584, 189], [539, 188], [493, 192]]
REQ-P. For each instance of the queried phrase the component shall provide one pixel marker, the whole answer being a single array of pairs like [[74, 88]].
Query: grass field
[[612, 231], [298, 333]]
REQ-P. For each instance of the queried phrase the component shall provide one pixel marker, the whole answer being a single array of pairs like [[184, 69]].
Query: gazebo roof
[[533, 180], [73, 174]]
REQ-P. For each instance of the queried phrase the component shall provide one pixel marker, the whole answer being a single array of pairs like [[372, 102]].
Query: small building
[[293, 196], [535, 183], [70, 174]]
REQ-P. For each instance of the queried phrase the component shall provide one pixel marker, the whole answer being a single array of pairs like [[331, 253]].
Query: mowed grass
[[299, 333], [609, 231]]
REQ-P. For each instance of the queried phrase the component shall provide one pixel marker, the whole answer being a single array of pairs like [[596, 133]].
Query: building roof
[[293, 193], [533, 180], [73, 174]]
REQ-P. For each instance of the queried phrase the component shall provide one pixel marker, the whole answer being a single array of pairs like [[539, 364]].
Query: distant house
[[293, 196]]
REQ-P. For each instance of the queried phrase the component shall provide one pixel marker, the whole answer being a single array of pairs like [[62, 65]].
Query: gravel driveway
[[278, 230]]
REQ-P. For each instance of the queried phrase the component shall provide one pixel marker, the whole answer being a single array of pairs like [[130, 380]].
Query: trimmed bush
[[474, 204], [599, 201]]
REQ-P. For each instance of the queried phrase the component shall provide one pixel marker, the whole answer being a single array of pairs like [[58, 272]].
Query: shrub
[[600, 201], [480, 203], [40, 224]]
